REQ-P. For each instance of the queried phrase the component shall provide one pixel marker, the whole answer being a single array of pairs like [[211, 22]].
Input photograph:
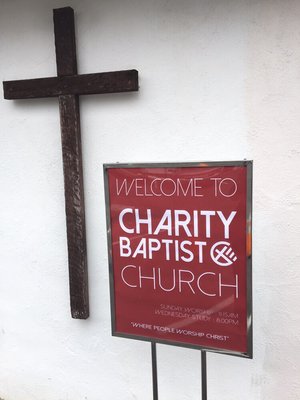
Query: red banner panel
[[180, 254]]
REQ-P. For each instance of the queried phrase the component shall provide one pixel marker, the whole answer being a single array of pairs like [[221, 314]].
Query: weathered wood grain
[[74, 204], [100, 83]]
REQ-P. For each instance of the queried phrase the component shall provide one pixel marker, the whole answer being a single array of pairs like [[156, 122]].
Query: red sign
[[180, 253]]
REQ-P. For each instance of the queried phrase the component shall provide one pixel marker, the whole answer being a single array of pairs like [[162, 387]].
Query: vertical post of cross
[[65, 46]]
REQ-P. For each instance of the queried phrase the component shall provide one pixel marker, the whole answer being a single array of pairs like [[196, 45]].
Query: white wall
[[219, 80]]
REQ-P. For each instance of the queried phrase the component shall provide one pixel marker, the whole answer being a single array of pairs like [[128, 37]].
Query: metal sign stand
[[154, 373], [203, 375]]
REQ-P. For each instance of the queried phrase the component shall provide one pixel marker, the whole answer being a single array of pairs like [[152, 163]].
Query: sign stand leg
[[204, 375], [154, 371]]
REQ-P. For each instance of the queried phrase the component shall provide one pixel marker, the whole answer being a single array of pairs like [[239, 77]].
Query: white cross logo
[[223, 251]]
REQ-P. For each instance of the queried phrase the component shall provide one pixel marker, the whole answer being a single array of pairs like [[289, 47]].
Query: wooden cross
[[67, 86]]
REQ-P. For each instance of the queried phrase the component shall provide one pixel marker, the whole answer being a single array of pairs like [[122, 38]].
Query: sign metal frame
[[246, 163]]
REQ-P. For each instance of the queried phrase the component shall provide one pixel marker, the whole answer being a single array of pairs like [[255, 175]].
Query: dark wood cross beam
[[67, 86]]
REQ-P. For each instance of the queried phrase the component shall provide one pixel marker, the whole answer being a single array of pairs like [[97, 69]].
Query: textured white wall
[[220, 80]]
